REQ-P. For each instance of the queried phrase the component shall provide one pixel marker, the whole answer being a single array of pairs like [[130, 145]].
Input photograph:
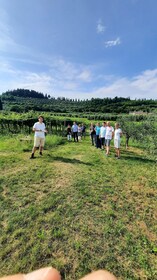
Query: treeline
[[25, 93], [23, 100]]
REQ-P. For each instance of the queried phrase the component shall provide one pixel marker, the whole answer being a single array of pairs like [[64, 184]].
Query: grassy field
[[77, 210]]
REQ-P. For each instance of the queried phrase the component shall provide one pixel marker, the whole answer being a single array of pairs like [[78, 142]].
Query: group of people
[[101, 136], [77, 131]]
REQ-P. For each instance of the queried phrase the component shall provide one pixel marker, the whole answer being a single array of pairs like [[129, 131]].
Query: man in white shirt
[[117, 136], [39, 136], [108, 137]]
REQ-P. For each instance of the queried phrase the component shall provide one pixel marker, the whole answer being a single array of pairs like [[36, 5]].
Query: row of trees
[[24, 100]]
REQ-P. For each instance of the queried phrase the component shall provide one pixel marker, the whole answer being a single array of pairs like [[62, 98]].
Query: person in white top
[[39, 136], [108, 137], [117, 136], [102, 135]]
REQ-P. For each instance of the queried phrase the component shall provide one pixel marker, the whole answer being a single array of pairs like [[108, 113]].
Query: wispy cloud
[[64, 78], [85, 76], [100, 27], [112, 43]]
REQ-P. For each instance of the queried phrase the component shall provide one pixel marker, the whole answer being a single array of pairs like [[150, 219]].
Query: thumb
[[99, 275], [47, 273]]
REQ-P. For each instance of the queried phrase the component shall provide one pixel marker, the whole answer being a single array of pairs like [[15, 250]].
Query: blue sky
[[79, 48]]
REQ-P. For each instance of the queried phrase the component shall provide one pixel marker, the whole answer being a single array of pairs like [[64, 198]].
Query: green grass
[[77, 210]]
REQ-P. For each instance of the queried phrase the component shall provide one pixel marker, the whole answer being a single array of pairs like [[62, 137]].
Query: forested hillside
[[23, 100]]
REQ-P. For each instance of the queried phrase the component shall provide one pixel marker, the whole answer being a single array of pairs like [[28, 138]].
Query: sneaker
[[117, 157], [41, 153]]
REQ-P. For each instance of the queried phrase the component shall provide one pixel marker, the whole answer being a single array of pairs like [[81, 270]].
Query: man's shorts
[[108, 141], [39, 142], [117, 143]]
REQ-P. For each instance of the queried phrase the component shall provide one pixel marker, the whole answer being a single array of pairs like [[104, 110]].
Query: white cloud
[[139, 87], [100, 27], [63, 78], [113, 43], [85, 76]]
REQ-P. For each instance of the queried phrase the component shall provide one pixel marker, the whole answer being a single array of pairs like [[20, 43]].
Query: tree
[[1, 106], [130, 128], [144, 132]]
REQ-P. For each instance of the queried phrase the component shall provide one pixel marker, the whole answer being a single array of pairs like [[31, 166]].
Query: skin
[[40, 148], [49, 273]]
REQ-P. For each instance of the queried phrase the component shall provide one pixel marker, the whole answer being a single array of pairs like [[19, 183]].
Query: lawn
[[77, 210]]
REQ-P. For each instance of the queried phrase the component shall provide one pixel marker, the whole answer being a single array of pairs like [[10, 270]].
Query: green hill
[[22, 100]]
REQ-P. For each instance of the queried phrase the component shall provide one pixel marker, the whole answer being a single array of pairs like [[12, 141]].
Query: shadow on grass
[[69, 160], [138, 158]]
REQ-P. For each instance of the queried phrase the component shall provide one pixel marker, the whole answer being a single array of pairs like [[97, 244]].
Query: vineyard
[[74, 208]]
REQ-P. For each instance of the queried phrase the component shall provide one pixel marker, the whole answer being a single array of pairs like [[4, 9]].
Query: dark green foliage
[[144, 131], [1, 107], [26, 93], [23, 100]]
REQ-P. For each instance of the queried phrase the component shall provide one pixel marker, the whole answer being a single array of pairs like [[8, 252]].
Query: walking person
[[117, 140], [75, 131], [39, 136], [109, 135]]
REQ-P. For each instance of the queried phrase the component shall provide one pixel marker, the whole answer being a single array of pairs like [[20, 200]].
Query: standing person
[[79, 132], [75, 131], [109, 135], [92, 134], [117, 136], [102, 135], [83, 130], [97, 129], [39, 136], [69, 132]]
